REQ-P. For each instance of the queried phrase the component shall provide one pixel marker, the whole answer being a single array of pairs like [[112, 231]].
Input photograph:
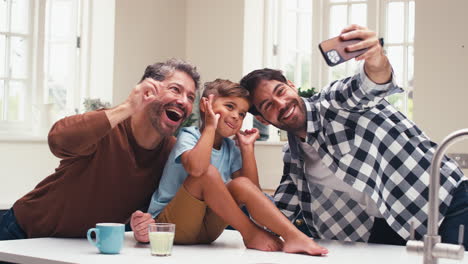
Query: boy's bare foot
[[262, 240], [303, 244]]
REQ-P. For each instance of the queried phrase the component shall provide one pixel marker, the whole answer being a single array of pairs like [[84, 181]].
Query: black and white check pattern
[[374, 148]]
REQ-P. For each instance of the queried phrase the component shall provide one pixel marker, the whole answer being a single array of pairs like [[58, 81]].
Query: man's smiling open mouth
[[285, 114], [175, 114]]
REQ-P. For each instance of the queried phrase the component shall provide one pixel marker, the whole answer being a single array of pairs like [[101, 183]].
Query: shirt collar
[[312, 126]]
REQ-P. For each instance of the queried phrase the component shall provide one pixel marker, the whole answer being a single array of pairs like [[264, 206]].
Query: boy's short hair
[[225, 88], [253, 79]]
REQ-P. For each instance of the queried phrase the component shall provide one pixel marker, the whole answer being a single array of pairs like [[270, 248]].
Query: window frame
[[373, 22], [405, 45], [36, 88], [9, 126]]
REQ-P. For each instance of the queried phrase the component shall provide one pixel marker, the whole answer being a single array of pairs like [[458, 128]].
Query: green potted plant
[[91, 104], [306, 92]]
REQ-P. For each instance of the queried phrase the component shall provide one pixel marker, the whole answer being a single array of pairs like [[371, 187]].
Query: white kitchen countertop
[[6, 204], [228, 248]]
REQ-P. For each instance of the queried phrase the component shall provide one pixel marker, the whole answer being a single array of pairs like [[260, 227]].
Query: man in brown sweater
[[111, 160]]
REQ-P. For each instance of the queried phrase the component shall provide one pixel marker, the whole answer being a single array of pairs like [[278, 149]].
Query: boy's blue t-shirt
[[227, 160]]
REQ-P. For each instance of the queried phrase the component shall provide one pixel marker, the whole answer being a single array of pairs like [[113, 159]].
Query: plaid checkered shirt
[[374, 148]]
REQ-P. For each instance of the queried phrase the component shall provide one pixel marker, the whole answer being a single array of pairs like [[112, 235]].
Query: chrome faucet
[[432, 248]]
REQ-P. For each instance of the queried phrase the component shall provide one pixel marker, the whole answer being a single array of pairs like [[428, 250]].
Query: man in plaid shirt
[[355, 167]]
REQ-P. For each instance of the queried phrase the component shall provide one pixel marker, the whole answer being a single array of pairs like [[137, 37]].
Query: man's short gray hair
[[161, 70]]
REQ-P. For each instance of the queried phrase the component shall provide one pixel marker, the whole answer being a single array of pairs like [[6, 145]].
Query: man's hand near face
[[143, 94], [377, 66]]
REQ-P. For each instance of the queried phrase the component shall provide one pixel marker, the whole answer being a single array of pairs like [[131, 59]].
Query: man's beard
[[298, 126], [155, 116]]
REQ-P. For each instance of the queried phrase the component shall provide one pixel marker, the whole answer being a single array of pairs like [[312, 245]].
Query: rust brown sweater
[[103, 176]]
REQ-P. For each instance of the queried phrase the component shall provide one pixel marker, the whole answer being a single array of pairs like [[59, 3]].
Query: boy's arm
[[197, 160], [246, 142]]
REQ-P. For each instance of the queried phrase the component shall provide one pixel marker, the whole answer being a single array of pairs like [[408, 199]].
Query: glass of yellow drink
[[161, 237]]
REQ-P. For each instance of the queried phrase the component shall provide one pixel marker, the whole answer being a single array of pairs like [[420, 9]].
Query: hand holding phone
[[334, 50]]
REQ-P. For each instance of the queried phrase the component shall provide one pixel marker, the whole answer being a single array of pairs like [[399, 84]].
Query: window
[[398, 21], [62, 55], [297, 27], [39, 62], [16, 44], [341, 13], [293, 41]]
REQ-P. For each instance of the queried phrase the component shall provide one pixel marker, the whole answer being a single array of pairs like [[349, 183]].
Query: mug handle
[[88, 235]]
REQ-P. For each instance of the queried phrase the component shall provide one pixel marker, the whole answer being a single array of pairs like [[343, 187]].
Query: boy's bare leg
[[211, 189], [265, 213]]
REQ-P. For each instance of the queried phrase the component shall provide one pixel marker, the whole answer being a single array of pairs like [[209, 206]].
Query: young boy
[[206, 179]]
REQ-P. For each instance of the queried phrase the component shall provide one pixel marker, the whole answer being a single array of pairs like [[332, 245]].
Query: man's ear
[[291, 85], [262, 120]]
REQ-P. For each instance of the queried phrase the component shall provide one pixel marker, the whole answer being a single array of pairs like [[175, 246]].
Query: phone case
[[333, 50]]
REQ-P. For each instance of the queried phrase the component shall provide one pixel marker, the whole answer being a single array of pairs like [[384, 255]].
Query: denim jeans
[[457, 214], [9, 228]]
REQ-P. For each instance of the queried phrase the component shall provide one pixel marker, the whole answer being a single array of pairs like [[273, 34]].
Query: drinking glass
[[161, 237]]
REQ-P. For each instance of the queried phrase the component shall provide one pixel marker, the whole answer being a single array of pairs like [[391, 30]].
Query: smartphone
[[334, 50]]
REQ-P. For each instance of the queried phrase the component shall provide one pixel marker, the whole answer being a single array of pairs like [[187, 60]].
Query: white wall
[[269, 158], [214, 38], [441, 68], [146, 31], [101, 49], [22, 165]]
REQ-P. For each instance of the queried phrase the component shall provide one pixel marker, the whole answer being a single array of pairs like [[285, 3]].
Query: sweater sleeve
[[78, 135]]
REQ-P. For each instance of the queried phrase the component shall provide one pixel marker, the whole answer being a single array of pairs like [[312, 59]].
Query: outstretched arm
[[376, 66], [372, 84]]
